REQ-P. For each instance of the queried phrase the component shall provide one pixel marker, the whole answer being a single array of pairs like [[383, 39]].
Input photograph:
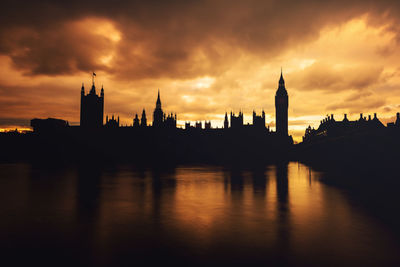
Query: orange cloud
[[207, 58]]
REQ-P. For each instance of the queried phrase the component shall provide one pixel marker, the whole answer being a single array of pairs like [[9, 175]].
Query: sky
[[206, 57]]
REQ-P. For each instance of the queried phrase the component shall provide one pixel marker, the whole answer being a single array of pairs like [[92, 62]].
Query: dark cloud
[[387, 109], [14, 122], [358, 95], [64, 49], [176, 39], [324, 76], [139, 46], [17, 103], [298, 122], [360, 105]]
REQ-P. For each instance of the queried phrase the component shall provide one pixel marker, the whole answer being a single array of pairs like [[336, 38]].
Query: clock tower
[[281, 108]]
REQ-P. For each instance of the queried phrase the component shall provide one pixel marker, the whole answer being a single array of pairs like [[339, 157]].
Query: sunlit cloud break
[[203, 67]]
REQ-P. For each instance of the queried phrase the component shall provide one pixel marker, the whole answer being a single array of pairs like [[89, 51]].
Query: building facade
[[259, 121], [236, 121], [160, 119], [92, 108]]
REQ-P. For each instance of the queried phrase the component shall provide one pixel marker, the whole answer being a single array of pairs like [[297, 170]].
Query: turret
[[345, 118], [226, 122], [143, 120], [158, 103], [83, 90], [93, 90], [82, 104], [158, 114], [136, 121], [281, 81]]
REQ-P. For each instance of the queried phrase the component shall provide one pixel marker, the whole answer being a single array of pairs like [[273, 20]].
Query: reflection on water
[[276, 214]]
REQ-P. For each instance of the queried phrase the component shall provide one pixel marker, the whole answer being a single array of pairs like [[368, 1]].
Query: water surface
[[279, 214]]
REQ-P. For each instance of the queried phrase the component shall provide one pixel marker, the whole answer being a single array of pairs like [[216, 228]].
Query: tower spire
[[158, 103], [281, 80], [93, 75], [93, 90]]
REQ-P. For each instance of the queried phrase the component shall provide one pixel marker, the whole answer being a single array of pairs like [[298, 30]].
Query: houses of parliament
[[155, 138], [92, 113]]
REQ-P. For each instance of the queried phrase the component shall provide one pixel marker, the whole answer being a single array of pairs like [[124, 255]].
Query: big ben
[[281, 108]]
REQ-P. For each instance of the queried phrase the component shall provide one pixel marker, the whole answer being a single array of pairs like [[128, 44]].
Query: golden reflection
[[207, 201], [200, 201], [280, 208], [276, 212]]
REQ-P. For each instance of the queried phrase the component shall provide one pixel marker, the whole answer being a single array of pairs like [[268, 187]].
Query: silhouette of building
[[143, 120], [259, 121], [236, 121], [48, 125], [170, 121], [92, 108], [164, 142], [226, 122], [158, 114], [136, 122], [329, 127], [396, 123], [281, 108], [112, 123], [160, 119]]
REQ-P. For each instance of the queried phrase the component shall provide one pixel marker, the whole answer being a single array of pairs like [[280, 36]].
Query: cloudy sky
[[207, 57]]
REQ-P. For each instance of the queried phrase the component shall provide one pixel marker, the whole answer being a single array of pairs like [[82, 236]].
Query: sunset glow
[[343, 59]]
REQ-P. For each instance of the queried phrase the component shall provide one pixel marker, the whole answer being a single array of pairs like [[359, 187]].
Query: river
[[121, 215]]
